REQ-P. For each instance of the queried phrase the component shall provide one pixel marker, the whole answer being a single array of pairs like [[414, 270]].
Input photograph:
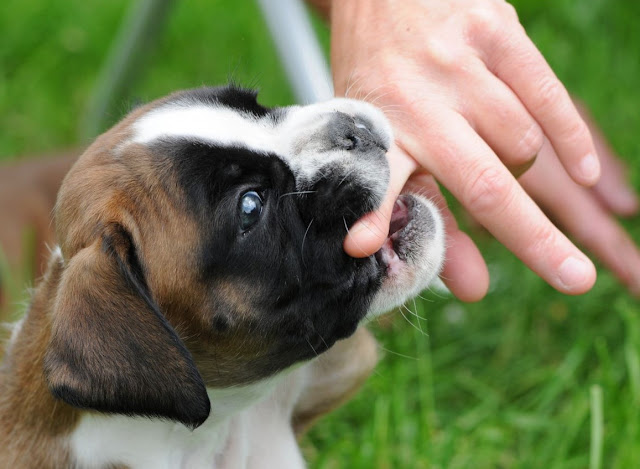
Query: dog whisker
[[312, 348], [347, 228], [303, 239], [377, 230], [380, 96], [426, 299], [293, 193], [414, 313], [373, 91], [386, 350], [411, 322], [296, 193], [350, 83], [322, 339], [434, 292], [349, 173]]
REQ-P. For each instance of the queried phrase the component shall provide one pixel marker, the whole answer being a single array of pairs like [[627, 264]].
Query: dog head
[[201, 246]]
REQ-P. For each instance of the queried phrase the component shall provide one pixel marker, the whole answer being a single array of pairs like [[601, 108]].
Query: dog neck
[[248, 425]]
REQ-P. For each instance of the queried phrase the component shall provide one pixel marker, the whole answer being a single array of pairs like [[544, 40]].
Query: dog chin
[[412, 254]]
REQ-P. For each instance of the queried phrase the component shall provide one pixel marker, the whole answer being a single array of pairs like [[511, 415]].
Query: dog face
[[201, 245]]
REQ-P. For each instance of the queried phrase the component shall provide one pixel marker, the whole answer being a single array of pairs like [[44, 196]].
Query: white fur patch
[[218, 125], [56, 252], [245, 422], [287, 138]]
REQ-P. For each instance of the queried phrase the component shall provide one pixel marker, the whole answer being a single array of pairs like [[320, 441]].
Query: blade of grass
[[595, 459]]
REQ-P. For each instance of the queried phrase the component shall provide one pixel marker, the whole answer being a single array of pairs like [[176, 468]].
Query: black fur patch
[[306, 293], [111, 349], [234, 97]]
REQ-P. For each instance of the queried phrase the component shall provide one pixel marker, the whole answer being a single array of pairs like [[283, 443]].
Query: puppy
[[200, 309]]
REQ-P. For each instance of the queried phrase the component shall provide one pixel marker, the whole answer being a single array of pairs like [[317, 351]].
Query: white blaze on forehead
[[199, 122], [226, 126], [292, 136]]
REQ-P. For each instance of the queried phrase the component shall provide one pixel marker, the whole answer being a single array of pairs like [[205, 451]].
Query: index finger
[[464, 270], [479, 180], [519, 64]]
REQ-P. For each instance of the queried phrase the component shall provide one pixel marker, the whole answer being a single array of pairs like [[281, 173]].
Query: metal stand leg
[[299, 51], [139, 31]]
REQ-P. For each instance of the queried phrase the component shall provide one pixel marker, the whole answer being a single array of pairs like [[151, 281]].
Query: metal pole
[[139, 32], [300, 53]]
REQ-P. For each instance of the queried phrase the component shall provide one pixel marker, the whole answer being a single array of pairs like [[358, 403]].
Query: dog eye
[[250, 209]]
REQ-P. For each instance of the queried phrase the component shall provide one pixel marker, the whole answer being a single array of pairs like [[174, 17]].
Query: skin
[[589, 214], [472, 102]]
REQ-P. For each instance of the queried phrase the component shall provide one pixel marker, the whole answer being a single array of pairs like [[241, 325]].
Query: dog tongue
[[399, 219], [399, 216]]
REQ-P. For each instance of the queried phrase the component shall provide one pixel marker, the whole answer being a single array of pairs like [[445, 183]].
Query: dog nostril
[[352, 142]]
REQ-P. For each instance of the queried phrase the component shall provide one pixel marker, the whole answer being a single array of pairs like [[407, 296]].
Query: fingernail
[[589, 168], [573, 273]]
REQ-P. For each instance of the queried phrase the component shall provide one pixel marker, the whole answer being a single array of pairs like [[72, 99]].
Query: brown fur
[[337, 376], [32, 422]]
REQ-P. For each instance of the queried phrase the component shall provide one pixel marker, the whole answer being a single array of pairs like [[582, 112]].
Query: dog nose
[[353, 134], [352, 183]]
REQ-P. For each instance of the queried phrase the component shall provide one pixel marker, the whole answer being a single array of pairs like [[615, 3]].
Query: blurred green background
[[517, 380]]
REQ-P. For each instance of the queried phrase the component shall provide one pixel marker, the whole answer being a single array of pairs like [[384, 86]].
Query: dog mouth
[[392, 255]]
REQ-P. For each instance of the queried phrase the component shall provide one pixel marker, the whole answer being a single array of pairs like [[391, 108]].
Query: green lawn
[[525, 378]]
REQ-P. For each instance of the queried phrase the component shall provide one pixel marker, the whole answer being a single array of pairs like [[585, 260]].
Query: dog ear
[[111, 349]]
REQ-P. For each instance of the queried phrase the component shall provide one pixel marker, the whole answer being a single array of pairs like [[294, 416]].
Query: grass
[[525, 378]]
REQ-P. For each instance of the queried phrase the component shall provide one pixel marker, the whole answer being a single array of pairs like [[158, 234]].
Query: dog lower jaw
[[412, 254], [388, 256]]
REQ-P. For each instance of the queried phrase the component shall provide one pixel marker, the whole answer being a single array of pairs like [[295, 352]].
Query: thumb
[[369, 233]]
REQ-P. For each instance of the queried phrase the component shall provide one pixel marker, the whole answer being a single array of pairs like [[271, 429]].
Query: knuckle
[[446, 57], [488, 191], [530, 143], [491, 19], [544, 239], [510, 11], [575, 131], [491, 23], [550, 91], [484, 19]]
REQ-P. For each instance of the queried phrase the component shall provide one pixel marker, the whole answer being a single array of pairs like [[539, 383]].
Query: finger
[[502, 121], [576, 209], [518, 171], [613, 190], [523, 68], [476, 177], [464, 272], [369, 233]]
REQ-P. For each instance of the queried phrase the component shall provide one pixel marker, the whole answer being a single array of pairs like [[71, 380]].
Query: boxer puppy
[[200, 308]]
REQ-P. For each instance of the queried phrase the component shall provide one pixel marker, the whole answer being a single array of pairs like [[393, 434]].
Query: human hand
[[470, 99]]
